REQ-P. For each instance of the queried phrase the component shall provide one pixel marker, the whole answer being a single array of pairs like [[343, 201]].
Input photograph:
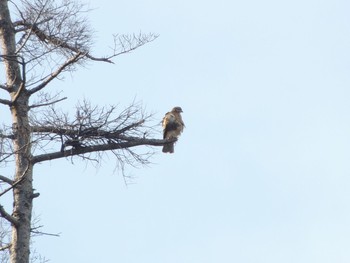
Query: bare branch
[[5, 247], [44, 233], [122, 44], [128, 43], [5, 102], [46, 99], [131, 142], [128, 127], [6, 179], [13, 185], [35, 230], [92, 132], [89, 131], [69, 62], [46, 104], [7, 216], [27, 36], [6, 136], [125, 44]]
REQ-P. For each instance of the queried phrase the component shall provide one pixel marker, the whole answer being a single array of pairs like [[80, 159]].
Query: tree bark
[[23, 189]]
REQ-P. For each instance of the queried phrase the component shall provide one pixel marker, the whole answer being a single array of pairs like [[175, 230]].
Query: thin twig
[[44, 233], [5, 247], [46, 104], [31, 29], [70, 61], [15, 182]]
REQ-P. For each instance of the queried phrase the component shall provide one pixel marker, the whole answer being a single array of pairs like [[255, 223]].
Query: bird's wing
[[179, 121], [170, 126]]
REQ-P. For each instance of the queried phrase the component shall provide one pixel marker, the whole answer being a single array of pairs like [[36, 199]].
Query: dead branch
[[44, 233], [131, 142], [69, 62], [44, 99], [6, 180], [46, 104], [5, 247], [3, 87], [13, 185], [89, 132], [126, 43], [34, 230], [6, 136], [28, 34], [122, 43], [7, 216], [5, 102], [92, 132]]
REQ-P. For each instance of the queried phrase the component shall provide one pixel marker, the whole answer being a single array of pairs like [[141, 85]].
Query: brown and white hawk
[[172, 127]]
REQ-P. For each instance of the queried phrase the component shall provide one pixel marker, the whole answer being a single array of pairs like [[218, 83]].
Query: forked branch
[[54, 75]]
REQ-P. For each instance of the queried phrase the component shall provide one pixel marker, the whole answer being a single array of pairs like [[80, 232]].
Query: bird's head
[[177, 109]]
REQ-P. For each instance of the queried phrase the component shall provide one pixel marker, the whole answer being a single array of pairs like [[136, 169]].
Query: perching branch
[[93, 131], [130, 142]]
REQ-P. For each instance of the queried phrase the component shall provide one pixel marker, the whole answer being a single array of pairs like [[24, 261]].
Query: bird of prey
[[172, 127]]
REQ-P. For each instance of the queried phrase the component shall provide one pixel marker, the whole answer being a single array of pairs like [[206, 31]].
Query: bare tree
[[45, 39]]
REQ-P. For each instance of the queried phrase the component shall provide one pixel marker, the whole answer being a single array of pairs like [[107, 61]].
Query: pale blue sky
[[261, 173]]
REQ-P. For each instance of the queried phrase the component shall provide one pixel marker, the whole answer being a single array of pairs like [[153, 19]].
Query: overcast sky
[[261, 172]]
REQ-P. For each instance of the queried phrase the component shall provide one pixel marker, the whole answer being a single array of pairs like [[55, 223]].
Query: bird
[[173, 126]]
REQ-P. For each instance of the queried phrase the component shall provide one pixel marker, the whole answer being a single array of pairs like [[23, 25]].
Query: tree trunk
[[22, 211], [23, 190]]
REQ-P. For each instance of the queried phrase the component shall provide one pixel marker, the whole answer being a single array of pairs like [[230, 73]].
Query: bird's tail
[[168, 148]]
